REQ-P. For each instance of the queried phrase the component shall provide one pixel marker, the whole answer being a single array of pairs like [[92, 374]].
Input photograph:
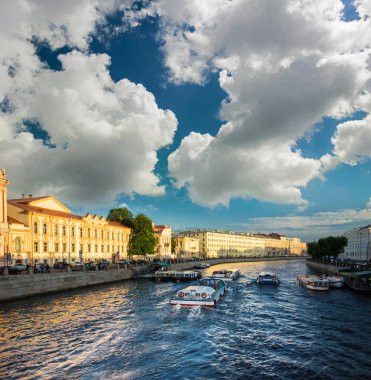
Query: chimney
[[22, 196], [29, 195]]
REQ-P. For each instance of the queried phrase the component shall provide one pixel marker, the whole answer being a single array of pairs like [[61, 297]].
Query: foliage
[[330, 246], [173, 244], [121, 215], [143, 240]]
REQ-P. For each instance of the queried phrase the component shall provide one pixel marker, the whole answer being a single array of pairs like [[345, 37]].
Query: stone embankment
[[27, 285], [323, 268], [22, 286]]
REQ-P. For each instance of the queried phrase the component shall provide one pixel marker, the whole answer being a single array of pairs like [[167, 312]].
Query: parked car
[[90, 265], [20, 267], [77, 266], [11, 270]]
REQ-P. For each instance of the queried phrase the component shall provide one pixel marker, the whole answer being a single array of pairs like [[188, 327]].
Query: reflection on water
[[129, 331]]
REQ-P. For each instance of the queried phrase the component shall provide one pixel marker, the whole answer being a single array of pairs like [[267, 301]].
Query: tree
[[330, 246], [143, 240], [121, 215], [173, 245]]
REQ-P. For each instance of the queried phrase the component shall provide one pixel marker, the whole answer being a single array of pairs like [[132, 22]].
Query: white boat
[[207, 292], [201, 265], [176, 276], [227, 275], [336, 281], [267, 278], [314, 282]]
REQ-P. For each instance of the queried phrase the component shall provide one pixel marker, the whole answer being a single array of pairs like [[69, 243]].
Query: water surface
[[128, 331]]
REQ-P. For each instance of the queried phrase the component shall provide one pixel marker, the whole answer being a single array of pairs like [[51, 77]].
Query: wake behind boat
[[207, 292]]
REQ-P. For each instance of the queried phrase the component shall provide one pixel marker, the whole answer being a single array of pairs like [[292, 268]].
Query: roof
[[14, 221]]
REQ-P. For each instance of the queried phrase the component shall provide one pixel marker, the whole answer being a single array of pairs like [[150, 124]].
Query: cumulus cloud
[[99, 137], [312, 227], [284, 66]]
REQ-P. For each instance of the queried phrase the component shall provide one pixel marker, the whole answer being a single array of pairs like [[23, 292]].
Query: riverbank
[[323, 268], [28, 285]]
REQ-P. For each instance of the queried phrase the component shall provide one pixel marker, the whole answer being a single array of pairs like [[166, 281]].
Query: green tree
[[330, 246], [143, 239], [121, 215], [173, 244]]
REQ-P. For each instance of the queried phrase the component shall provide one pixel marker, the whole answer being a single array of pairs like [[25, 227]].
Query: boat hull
[[336, 284]]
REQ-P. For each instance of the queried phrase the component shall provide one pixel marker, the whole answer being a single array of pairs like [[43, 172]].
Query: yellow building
[[187, 247], [215, 243], [41, 229], [163, 235]]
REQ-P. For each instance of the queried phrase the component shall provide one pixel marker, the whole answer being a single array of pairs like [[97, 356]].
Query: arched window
[[35, 229], [45, 229], [73, 231], [18, 244]]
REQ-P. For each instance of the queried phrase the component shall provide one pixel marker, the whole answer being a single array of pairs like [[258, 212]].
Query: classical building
[[359, 244], [4, 226], [215, 243], [41, 229], [186, 247], [163, 235]]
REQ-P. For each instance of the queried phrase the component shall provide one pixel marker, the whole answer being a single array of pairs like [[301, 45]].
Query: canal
[[128, 331]]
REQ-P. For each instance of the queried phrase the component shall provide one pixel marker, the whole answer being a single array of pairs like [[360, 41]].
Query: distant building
[[187, 247], [216, 243], [359, 244], [163, 235], [41, 229]]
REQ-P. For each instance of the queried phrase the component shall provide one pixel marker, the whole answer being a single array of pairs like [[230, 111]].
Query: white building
[[359, 244]]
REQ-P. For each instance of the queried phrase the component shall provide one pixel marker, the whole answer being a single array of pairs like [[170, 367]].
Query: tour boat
[[176, 276], [314, 282], [336, 281], [227, 275], [358, 281], [207, 292], [266, 278], [201, 266]]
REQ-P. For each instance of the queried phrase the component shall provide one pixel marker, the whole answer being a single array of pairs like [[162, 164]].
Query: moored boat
[[227, 275], [207, 292], [266, 278], [358, 281], [336, 281], [176, 276], [201, 266], [314, 282]]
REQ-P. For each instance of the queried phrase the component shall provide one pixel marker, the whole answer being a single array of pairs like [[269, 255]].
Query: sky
[[242, 115]]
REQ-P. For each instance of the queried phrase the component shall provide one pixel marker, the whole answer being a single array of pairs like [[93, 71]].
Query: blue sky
[[265, 132]]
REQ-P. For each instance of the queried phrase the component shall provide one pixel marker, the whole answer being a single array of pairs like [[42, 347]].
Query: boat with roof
[[314, 282], [226, 274], [206, 292], [201, 266], [176, 276], [267, 278]]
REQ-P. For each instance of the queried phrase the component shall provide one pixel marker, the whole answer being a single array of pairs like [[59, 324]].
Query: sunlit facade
[[41, 229], [163, 235], [187, 247]]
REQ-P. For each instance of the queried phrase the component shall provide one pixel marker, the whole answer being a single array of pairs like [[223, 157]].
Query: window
[[89, 233], [102, 248], [56, 230], [35, 229], [73, 247], [73, 231], [36, 246], [101, 234], [81, 232], [96, 233], [64, 230], [64, 247], [96, 249], [107, 235], [88, 247], [45, 247], [17, 244], [56, 247], [45, 229]]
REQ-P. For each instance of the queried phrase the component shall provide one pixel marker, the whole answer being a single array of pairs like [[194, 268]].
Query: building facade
[[41, 229], [163, 235], [215, 243], [187, 247], [359, 244]]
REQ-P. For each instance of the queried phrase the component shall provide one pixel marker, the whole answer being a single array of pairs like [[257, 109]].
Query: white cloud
[[103, 136], [284, 65]]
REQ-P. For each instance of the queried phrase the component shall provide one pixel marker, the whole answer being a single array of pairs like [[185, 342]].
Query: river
[[128, 331]]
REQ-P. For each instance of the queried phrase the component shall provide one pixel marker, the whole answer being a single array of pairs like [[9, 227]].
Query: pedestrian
[[47, 268]]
